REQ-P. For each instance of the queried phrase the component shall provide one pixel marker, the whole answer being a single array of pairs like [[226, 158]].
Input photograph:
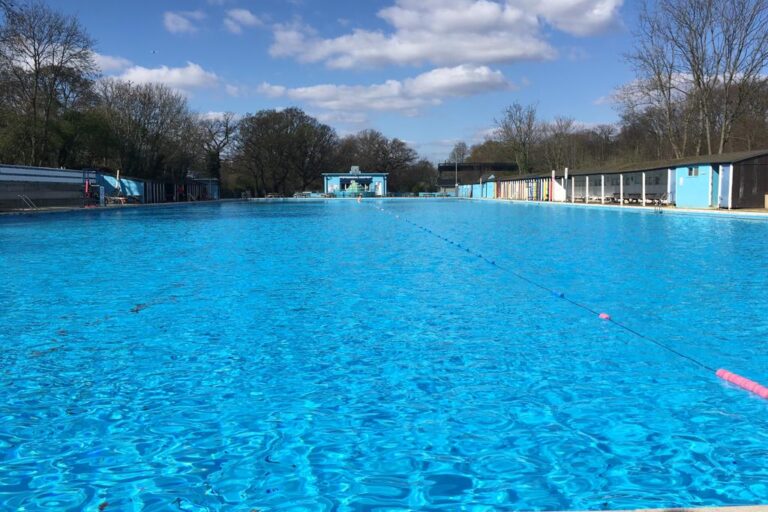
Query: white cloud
[[605, 100], [237, 19], [181, 22], [350, 118], [273, 91], [578, 17], [450, 32], [406, 96], [457, 81], [577, 54], [484, 134], [192, 76], [109, 63], [214, 115], [235, 90]]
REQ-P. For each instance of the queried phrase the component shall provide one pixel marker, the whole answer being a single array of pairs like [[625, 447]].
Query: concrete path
[[757, 508]]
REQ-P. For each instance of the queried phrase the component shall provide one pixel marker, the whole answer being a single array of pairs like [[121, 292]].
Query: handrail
[[27, 201]]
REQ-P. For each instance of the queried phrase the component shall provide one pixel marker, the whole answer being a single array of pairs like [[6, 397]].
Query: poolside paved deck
[[756, 213], [756, 508], [62, 209]]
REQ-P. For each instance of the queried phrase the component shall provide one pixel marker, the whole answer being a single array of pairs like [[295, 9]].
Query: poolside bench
[[653, 198], [116, 200]]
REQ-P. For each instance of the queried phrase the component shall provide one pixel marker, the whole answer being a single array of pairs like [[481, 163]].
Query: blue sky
[[431, 72]]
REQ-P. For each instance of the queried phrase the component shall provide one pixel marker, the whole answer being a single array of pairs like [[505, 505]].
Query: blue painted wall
[[332, 184], [693, 191], [128, 186]]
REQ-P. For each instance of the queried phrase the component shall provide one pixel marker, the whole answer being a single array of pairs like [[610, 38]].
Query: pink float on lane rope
[[743, 383]]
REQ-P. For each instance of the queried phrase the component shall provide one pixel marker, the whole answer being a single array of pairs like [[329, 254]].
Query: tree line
[[700, 88], [56, 110], [281, 151]]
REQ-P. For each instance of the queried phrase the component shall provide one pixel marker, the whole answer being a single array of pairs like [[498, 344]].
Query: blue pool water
[[328, 356]]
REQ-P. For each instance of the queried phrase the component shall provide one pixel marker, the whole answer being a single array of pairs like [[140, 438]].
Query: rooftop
[[655, 165], [724, 158], [355, 171]]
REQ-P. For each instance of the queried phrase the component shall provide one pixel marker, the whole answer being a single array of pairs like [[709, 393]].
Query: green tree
[[284, 150], [217, 134]]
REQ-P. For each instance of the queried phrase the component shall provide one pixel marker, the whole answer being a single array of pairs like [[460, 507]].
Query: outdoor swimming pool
[[325, 355]]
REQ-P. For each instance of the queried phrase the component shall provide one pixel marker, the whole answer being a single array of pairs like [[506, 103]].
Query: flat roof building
[[450, 174], [24, 187], [728, 180], [355, 183]]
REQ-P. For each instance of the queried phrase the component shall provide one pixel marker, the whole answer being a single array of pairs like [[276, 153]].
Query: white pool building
[[355, 183]]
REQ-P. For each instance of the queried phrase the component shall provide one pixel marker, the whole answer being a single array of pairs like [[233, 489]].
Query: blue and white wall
[[332, 184], [697, 186], [42, 186], [488, 190], [128, 186]]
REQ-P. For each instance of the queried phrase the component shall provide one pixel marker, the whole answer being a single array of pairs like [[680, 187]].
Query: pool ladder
[[27, 201]]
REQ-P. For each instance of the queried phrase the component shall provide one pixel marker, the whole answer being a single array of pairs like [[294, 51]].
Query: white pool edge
[[637, 209], [751, 508]]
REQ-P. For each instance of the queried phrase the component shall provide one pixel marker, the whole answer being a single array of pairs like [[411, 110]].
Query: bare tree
[[284, 150], [491, 150], [459, 153], [661, 85], [262, 147], [557, 143], [373, 151], [217, 133], [518, 129], [604, 135], [313, 150], [156, 133], [46, 56], [708, 54]]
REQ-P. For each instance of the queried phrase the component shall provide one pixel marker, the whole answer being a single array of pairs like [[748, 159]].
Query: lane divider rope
[[742, 382]]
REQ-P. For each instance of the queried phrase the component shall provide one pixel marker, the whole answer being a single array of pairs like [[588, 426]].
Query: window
[[693, 171]]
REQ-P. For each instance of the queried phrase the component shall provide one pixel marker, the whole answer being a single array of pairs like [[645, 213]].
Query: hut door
[[714, 185], [724, 197]]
